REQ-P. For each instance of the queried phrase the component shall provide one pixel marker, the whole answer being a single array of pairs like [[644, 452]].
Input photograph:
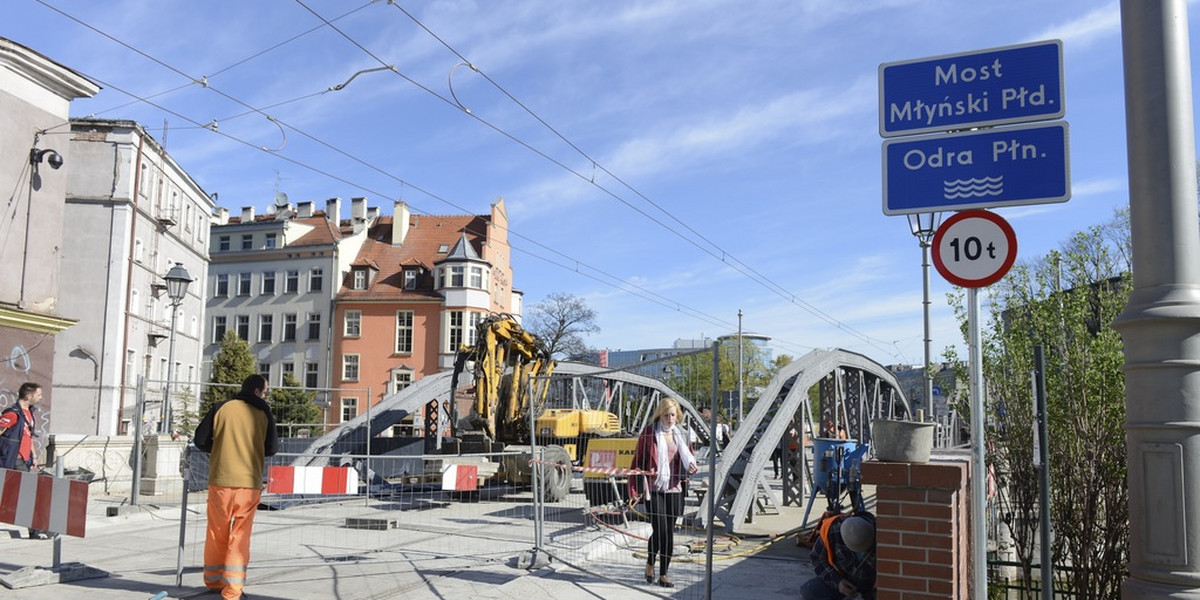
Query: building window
[[443, 248], [401, 380], [404, 332], [265, 323], [223, 243], [218, 329], [456, 276], [350, 367], [314, 279], [352, 327], [247, 242], [477, 278], [349, 409], [269, 241], [289, 327], [244, 280], [139, 250], [311, 374], [286, 369], [473, 320], [314, 326], [268, 286], [455, 332], [440, 276], [360, 279], [292, 284], [410, 279], [243, 327], [264, 369], [222, 286], [130, 373]]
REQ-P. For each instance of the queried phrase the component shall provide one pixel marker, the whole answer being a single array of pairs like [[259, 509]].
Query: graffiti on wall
[[27, 360]]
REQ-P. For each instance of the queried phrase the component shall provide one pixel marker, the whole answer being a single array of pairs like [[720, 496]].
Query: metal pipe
[[979, 466]]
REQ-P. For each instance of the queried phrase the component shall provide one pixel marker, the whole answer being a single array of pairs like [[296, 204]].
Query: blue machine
[[836, 466]]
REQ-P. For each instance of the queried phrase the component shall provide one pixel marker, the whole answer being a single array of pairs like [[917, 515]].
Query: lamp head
[[177, 282]]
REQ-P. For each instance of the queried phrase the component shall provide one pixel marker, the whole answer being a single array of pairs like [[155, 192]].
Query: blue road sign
[[1009, 166], [1013, 84]]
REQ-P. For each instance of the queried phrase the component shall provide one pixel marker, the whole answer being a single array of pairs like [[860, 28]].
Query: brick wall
[[922, 536]]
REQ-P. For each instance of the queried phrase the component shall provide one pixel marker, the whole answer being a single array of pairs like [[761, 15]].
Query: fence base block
[[35, 576]]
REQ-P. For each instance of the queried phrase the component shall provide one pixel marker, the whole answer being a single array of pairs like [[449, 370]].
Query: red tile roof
[[426, 234]]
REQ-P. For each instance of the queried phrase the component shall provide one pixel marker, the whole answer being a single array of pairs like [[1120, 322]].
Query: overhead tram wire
[[620, 285], [736, 263], [331, 176]]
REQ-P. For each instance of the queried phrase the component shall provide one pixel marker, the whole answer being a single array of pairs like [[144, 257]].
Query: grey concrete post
[[1162, 321]]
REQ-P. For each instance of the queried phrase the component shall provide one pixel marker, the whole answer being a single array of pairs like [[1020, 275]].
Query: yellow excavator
[[512, 369]]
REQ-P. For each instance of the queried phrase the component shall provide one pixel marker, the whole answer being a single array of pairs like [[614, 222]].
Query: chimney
[[333, 211], [304, 210], [400, 218], [372, 213], [247, 214], [222, 215], [358, 213]]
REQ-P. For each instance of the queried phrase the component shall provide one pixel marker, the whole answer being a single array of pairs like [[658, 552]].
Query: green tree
[[1065, 303], [691, 374], [293, 406], [231, 365]]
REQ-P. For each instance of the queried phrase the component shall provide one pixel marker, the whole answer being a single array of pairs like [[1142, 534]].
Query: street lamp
[[923, 226], [177, 284]]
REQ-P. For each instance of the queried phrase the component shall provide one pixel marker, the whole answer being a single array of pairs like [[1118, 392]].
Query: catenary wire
[[251, 109]]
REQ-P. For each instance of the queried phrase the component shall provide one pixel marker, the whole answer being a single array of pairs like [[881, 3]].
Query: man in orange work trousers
[[239, 433]]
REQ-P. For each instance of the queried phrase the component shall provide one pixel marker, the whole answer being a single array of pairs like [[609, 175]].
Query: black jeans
[[664, 509]]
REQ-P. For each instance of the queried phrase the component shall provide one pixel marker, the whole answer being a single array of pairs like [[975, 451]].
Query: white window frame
[[352, 324], [351, 366], [349, 403], [404, 328]]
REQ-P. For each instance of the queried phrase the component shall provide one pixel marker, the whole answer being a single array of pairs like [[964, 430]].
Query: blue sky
[[669, 162]]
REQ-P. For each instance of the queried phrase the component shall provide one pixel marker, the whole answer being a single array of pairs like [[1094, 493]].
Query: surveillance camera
[[54, 158]]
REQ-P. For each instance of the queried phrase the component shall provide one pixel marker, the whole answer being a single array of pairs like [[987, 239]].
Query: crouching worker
[[843, 558]]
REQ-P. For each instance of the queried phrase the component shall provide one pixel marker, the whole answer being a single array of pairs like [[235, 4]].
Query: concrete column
[[1161, 324]]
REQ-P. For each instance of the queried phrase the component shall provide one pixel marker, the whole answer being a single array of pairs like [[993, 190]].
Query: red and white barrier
[[460, 478], [312, 480], [53, 504]]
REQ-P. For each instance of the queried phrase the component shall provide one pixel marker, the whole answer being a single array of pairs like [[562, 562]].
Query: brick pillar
[[923, 528]]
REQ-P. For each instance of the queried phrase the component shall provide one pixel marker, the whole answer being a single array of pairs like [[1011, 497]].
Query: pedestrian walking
[[662, 449], [17, 433], [239, 433]]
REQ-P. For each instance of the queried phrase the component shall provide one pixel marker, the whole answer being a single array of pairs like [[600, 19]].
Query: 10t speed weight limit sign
[[974, 248]]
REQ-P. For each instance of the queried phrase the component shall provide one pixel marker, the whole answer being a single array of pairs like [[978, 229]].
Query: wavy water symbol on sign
[[974, 187]]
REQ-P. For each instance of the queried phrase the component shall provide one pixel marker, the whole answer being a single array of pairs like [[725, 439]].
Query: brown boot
[[650, 573], [664, 582]]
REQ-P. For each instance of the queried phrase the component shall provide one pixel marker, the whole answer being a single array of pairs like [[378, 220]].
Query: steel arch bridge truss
[[631, 397], [850, 390]]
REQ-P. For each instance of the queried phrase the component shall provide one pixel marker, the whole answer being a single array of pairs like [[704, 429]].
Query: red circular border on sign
[[999, 221]]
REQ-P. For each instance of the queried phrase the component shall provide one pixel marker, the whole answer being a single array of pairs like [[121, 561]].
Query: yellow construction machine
[[512, 369]]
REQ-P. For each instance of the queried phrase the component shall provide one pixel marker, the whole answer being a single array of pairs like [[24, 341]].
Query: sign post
[[1004, 166]]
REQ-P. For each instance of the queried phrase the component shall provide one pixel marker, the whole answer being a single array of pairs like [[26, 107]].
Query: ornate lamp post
[[923, 226], [177, 284]]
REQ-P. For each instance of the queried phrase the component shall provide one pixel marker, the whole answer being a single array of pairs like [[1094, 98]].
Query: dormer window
[[410, 279], [360, 279]]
